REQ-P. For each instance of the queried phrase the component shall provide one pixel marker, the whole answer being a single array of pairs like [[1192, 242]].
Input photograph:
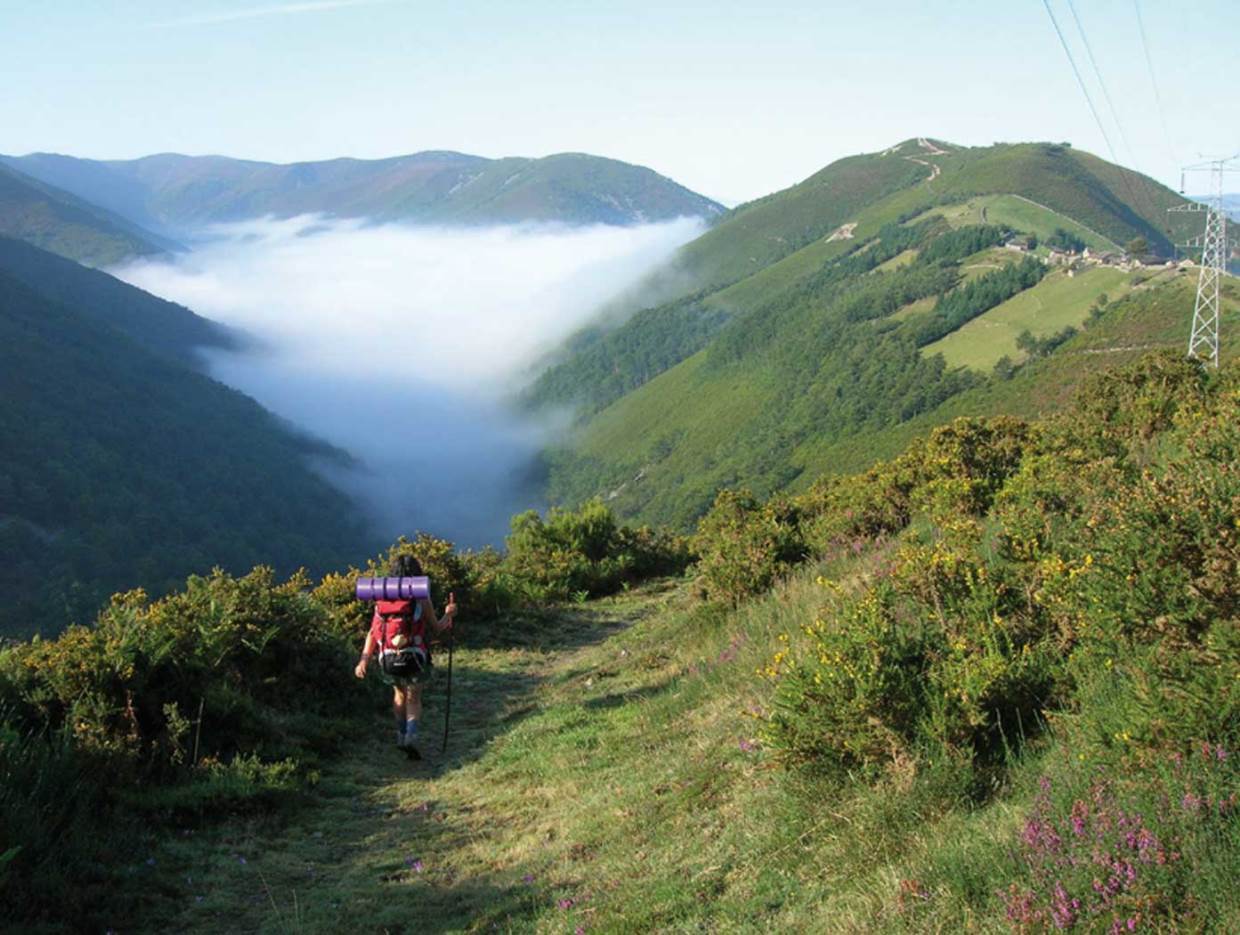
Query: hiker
[[398, 634]]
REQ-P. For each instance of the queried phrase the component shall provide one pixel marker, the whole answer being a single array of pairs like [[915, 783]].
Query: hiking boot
[[411, 751]]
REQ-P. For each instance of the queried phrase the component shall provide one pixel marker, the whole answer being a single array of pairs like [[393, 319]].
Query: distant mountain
[[57, 220], [123, 467], [1232, 203], [172, 192], [856, 302]]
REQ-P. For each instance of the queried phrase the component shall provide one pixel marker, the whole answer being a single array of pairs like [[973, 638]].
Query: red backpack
[[400, 634]]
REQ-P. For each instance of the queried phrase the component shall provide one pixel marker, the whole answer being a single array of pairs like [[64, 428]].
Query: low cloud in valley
[[402, 344]]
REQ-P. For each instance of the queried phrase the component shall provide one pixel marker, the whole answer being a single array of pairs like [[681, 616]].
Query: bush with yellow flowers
[[1083, 572]]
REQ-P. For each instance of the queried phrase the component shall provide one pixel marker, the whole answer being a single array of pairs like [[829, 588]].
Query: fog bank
[[401, 344]]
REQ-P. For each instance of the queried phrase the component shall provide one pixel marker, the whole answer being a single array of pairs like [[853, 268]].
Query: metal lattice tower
[[1208, 309]]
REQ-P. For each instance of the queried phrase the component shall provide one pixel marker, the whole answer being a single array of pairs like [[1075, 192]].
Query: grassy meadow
[[1057, 302]]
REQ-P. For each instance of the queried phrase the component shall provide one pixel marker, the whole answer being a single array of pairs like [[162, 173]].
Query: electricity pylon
[[1207, 310]]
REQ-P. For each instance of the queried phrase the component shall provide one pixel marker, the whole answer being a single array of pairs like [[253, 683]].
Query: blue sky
[[734, 100]]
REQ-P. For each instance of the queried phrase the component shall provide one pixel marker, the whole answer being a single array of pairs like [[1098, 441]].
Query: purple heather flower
[[565, 904], [1080, 811], [528, 879], [747, 746], [414, 864], [1064, 907]]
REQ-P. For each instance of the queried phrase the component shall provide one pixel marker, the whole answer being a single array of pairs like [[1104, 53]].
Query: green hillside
[[769, 246], [769, 419], [174, 192], [877, 296], [55, 220], [1021, 214], [1059, 301], [124, 467]]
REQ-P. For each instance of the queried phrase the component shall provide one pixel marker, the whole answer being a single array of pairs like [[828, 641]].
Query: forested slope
[[155, 323], [124, 467], [63, 223]]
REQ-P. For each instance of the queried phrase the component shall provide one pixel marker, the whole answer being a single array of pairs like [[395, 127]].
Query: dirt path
[[930, 150], [935, 171]]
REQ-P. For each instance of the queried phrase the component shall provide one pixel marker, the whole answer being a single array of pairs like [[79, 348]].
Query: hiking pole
[[447, 710]]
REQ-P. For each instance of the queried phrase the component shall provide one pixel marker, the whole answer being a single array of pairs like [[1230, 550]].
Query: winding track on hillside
[[930, 150]]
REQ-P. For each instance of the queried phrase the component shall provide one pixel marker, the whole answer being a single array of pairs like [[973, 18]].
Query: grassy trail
[[388, 844], [606, 774]]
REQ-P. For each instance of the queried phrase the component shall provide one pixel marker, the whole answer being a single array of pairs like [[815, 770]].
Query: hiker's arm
[[449, 612], [367, 652]]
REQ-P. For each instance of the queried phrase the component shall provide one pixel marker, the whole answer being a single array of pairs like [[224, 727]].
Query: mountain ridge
[[172, 191]]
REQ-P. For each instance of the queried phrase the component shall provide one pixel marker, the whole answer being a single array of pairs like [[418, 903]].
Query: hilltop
[[175, 192], [871, 295]]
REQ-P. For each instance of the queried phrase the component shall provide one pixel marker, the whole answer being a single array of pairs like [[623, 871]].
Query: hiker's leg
[[413, 710], [400, 699]]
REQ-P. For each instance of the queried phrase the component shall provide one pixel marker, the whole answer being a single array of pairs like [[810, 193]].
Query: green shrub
[[743, 545], [1085, 572], [215, 787], [259, 659], [958, 468], [582, 552]]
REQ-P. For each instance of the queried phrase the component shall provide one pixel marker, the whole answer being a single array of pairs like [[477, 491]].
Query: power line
[[1149, 64], [1123, 173], [1079, 80], [1106, 95]]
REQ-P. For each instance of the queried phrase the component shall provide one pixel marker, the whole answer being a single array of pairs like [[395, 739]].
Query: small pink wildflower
[[565, 904]]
